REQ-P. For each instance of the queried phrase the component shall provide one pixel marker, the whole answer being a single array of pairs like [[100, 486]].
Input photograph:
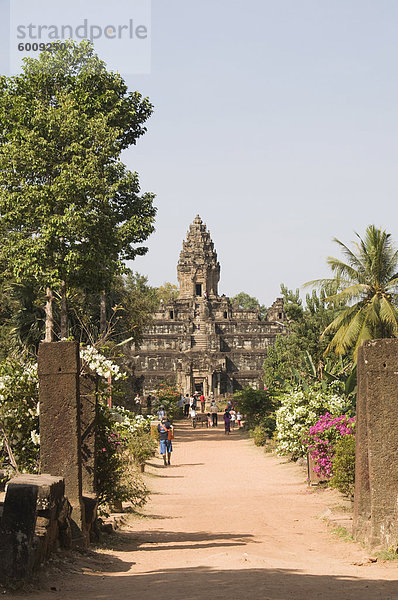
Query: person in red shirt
[[202, 403]]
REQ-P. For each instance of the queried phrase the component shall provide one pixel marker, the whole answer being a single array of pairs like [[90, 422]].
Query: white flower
[[99, 364], [35, 437]]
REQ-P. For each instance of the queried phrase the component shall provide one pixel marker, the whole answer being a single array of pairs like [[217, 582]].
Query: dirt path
[[228, 521]]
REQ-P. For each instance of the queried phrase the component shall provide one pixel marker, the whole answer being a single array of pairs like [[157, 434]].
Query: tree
[[257, 406], [70, 211], [26, 322], [243, 300], [167, 292], [131, 303], [138, 302], [367, 287], [298, 357]]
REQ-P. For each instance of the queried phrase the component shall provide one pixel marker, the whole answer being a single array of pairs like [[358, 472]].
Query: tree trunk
[[103, 313], [49, 316], [64, 312]]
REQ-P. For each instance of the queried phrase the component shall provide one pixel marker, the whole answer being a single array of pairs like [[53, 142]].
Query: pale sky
[[276, 122]]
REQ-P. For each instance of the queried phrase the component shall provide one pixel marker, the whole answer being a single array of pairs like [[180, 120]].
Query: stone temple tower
[[198, 269], [202, 342]]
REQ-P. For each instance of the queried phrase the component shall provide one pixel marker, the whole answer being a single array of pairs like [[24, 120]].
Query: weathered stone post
[[60, 438], [376, 470]]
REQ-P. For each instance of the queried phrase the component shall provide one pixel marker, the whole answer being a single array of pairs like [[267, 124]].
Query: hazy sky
[[276, 122]]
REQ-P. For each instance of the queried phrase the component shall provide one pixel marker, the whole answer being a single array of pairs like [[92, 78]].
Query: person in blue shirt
[[166, 447]]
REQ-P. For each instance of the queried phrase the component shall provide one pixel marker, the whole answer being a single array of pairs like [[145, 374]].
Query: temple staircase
[[199, 337]]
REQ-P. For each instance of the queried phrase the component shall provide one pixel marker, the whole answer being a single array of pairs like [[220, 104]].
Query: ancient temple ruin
[[200, 341]]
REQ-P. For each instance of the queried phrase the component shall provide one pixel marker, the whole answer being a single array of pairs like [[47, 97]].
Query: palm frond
[[343, 319], [392, 285], [364, 334], [352, 258], [343, 270], [366, 283], [355, 292], [389, 315]]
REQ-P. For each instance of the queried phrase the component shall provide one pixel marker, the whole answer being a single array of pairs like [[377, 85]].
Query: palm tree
[[367, 287]]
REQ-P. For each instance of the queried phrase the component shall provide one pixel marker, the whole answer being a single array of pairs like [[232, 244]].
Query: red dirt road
[[228, 521]]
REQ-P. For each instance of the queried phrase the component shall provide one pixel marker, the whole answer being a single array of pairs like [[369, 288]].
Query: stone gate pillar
[[376, 470], [60, 439]]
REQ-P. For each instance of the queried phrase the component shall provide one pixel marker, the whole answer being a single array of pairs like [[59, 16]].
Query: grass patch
[[389, 554], [343, 534]]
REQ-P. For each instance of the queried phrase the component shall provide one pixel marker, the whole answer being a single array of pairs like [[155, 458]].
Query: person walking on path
[[214, 411], [227, 422], [233, 418], [181, 404], [186, 406], [161, 412], [192, 414], [138, 404], [239, 419], [165, 430], [202, 403]]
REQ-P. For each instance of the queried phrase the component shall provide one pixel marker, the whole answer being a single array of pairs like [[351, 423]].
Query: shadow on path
[[184, 432], [203, 583], [155, 540]]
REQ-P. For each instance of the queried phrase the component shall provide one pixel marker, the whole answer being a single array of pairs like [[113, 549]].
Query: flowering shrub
[[97, 363], [136, 430], [19, 415], [298, 412], [128, 422], [118, 478], [322, 438], [19, 407], [168, 396]]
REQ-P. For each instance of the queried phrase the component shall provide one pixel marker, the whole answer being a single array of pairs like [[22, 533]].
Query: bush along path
[[227, 520]]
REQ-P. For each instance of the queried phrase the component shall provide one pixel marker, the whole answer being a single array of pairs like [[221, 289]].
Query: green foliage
[[292, 304], [70, 211], [366, 292], [299, 410], [142, 447], [168, 396], [342, 533], [138, 303], [258, 408], [343, 478], [167, 292], [259, 435], [243, 300], [118, 478], [391, 553], [25, 324], [298, 358], [130, 303]]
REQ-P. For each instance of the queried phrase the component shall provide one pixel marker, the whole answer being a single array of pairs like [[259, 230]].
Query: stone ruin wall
[[376, 468]]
